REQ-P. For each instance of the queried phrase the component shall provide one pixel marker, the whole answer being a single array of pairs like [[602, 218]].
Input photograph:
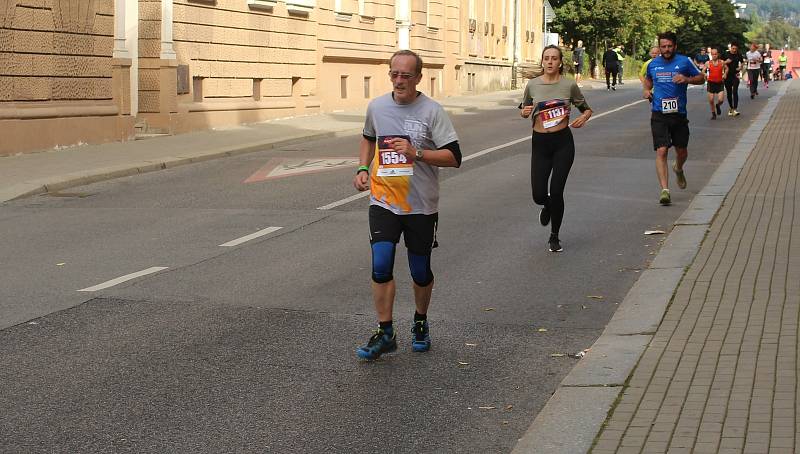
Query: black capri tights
[[732, 89], [552, 157]]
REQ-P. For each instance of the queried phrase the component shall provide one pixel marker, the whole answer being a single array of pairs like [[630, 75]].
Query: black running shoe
[[544, 216], [555, 244], [719, 108], [421, 336], [378, 344]]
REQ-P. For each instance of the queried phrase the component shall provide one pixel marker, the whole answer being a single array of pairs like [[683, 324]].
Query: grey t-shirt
[[553, 101], [397, 185]]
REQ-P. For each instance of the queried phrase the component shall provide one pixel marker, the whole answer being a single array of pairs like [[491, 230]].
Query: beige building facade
[[92, 71]]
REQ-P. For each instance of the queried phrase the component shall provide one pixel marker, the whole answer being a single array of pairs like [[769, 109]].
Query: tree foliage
[[717, 29], [775, 32], [635, 23]]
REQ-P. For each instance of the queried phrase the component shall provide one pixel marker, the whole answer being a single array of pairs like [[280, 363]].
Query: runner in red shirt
[[717, 71]]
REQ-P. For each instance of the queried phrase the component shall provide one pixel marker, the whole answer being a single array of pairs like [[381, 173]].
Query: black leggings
[[732, 89], [753, 74], [611, 77], [552, 157]]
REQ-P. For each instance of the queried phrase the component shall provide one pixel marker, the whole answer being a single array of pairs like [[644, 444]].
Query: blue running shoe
[[378, 344], [421, 341]]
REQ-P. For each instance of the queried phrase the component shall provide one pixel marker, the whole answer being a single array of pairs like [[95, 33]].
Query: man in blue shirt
[[668, 76]]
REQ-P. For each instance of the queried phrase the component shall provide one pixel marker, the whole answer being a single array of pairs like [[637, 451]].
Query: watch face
[[419, 154]]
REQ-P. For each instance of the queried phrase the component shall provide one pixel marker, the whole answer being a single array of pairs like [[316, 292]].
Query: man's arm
[[366, 151], [447, 156], [699, 79], [647, 85]]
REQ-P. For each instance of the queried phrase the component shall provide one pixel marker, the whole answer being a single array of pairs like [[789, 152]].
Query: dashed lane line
[[252, 236], [122, 279]]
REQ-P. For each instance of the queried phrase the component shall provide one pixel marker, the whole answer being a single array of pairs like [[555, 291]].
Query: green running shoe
[[680, 175], [665, 199]]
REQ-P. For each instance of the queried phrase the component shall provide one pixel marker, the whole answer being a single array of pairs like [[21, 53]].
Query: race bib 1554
[[390, 162]]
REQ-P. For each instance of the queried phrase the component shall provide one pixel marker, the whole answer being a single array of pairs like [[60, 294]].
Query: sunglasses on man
[[404, 76]]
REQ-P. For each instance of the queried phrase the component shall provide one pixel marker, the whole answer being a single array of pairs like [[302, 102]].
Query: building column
[[168, 96], [120, 35], [121, 62], [131, 25], [167, 50], [403, 19]]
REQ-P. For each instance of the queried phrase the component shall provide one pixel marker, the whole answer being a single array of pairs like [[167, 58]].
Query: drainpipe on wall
[[515, 49]]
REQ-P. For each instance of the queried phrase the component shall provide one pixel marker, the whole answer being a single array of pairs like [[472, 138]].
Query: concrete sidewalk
[[720, 375], [55, 170]]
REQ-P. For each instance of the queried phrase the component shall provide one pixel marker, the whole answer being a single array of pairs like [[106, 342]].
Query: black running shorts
[[715, 87], [669, 130], [418, 230]]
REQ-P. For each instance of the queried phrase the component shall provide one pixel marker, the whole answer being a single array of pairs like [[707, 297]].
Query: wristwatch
[[419, 154]]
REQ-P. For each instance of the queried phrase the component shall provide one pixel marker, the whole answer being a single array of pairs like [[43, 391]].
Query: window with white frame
[[345, 7], [300, 6], [435, 15], [366, 8]]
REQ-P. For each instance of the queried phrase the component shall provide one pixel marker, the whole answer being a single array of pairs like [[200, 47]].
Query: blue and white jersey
[[669, 97]]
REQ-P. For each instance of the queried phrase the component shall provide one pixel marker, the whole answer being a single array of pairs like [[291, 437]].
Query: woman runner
[[549, 98]]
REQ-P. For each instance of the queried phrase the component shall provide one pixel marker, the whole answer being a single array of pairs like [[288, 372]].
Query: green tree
[[717, 29], [776, 33], [593, 21]]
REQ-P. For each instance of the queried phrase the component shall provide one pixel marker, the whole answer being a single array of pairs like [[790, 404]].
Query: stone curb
[[574, 415]]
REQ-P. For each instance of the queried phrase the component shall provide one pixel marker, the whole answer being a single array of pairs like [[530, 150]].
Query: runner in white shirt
[[753, 68]]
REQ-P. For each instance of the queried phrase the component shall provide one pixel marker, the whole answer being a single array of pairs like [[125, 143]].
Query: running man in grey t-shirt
[[407, 137]]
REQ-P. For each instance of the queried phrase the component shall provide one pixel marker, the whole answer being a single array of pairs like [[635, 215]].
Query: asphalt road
[[250, 348]]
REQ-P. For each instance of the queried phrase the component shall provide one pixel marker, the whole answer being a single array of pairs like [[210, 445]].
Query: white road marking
[[344, 201], [122, 279], [478, 154], [252, 236]]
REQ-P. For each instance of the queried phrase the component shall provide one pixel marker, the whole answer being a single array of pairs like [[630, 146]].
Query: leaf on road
[[654, 232], [488, 309], [509, 407]]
